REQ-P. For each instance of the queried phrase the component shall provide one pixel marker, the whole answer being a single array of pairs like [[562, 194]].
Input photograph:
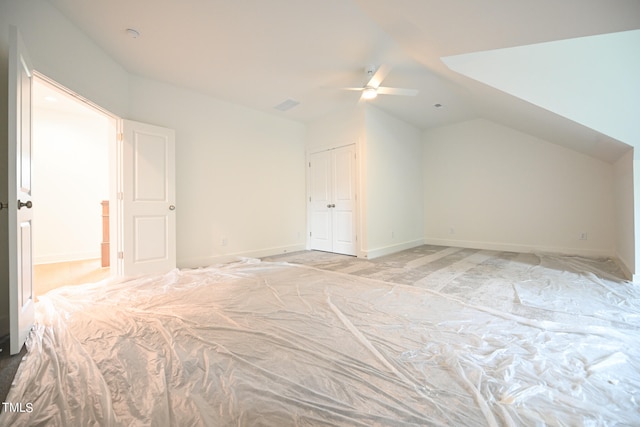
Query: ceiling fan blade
[[379, 76], [397, 91], [352, 88]]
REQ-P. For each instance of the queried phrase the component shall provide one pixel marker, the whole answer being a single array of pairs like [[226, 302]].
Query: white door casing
[[332, 200], [21, 298], [148, 239]]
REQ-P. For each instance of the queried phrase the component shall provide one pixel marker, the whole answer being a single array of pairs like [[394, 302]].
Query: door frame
[[359, 219], [118, 266], [114, 165]]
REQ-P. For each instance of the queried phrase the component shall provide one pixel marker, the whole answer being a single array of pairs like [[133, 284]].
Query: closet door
[[343, 206], [332, 200], [320, 195]]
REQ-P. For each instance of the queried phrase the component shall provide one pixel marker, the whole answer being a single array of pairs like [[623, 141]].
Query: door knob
[[331, 206], [22, 205], [172, 208]]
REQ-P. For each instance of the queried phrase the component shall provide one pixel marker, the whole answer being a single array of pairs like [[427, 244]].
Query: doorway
[[71, 181], [332, 200]]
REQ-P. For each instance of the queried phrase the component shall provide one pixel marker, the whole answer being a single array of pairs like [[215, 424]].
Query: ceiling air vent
[[287, 105]]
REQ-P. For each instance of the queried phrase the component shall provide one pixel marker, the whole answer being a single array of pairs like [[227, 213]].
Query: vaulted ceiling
[[260, 53]]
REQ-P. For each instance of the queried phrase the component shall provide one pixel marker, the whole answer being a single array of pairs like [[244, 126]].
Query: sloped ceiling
[[259, 53], [565, 77]]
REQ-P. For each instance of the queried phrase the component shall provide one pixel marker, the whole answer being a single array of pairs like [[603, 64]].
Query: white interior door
[[21, 304], [344, 200], [148, 199], [332, 200], [320, 196]]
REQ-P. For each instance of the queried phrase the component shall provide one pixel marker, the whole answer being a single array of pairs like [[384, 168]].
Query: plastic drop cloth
[[273, 344]]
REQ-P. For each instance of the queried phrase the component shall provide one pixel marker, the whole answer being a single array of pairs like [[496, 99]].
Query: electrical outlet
[[452, 230], [223, 241], [583, 235], [393, 234]]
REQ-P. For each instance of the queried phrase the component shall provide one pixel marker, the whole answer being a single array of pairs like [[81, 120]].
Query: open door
[[21, 304], [148, 238]]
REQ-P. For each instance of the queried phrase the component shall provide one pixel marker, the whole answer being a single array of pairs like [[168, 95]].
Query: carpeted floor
[[8, 367]]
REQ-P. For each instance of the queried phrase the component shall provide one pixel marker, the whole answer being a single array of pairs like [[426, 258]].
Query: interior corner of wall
[[627, 270]]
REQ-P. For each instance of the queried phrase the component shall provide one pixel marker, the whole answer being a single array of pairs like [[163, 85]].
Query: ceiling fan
[[372, 88]]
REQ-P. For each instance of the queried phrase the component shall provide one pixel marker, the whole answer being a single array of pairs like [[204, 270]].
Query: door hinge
[[309, 234], [120, 255], [120, 195], [309, 164], [120, 136]]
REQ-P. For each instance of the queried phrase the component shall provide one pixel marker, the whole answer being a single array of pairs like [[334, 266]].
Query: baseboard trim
[[511, 247], [626, 270], [52, 259], [225, 258], [387, 250]]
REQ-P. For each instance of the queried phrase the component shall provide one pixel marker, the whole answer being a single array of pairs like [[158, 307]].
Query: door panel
[[150, 165], [333, 201], [21, 304], [344, 174], [26, 257], [148, 201], [320, 194], [152, 233], [344, 241], [320, 174]]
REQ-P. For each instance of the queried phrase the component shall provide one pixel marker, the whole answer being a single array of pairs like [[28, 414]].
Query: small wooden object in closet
[[105, 233]]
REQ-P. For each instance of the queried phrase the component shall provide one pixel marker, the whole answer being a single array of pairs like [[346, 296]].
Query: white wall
[[70, 179], [240, 174], [623, 199], [636, 213], [340, 128], [394, 184], [573, 77], [62, 52], [492, 187]]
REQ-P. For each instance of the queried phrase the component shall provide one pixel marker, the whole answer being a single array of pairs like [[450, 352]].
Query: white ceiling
[[259, 53]]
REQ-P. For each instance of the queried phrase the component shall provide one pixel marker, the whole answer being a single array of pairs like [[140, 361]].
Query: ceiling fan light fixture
[[369, 93]]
